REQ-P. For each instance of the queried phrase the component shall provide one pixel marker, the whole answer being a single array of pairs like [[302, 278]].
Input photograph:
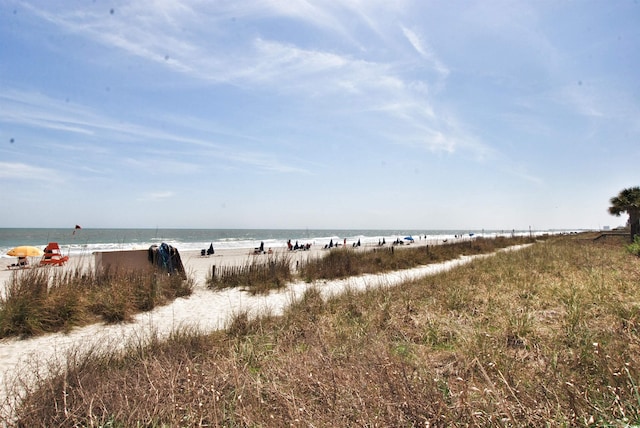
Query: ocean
[[86, 241]]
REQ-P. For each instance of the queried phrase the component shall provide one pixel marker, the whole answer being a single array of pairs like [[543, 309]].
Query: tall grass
[[44, 300], [546, 336], [260, 276], [256, 276], [345, 262]]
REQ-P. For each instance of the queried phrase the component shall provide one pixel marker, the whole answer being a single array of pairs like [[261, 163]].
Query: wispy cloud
[[33, 109], [262, 161], [40, 111], [22, 172], [158, 196], [427, 53], [191, 38], [161, 165], [178, 38]]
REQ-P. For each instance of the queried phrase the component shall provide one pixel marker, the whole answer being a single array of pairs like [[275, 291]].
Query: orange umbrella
[[25, 251]]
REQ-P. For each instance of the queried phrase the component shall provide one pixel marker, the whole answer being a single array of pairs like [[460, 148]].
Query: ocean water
[[86, 241]]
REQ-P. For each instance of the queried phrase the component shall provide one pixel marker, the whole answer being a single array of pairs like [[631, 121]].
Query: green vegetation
[[634, 247], [545, 336], [38, 301], [628, 201]]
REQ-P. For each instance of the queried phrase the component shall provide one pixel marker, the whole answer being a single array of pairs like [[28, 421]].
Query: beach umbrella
[[25, 251]]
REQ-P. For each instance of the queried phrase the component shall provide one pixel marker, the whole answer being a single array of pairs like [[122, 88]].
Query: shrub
[[634, 247]]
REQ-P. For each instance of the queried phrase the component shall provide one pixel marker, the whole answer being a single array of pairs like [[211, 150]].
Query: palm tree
[[628, 200]]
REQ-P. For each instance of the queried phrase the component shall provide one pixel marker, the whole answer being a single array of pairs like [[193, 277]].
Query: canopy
[[25, 251]]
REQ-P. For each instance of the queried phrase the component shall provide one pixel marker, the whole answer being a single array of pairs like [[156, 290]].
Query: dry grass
[[345, 262], [546, 336], [261, 276], [256, 276], [40, 300]]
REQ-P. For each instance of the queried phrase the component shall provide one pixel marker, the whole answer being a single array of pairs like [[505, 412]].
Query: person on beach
[[22, 263]]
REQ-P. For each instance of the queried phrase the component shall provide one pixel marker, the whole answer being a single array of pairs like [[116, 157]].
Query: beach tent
[[409, 238]]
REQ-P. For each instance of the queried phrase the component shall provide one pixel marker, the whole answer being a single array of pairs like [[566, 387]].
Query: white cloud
[[162, 164], [191, 39], [40, 111], [280, 62], [262, 161], [34, 109], [22, 171], [158, 196], [423, 49]]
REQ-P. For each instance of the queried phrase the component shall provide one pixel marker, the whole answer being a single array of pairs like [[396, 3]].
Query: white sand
[[205, 309]]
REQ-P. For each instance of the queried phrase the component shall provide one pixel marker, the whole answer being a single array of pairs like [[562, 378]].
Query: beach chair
[[23, 263], [53, 256]]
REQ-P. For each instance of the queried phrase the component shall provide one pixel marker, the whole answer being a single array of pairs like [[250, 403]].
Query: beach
[[204, 309]]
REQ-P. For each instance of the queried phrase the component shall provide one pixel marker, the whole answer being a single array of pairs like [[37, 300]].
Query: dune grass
[[260, 276], [256, 276], [545, 336], [345, 262], [47, 300]]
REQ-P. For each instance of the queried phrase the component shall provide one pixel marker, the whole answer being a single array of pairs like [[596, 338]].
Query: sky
[[350, 114]]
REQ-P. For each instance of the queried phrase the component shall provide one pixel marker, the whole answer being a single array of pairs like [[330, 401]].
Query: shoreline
[[87, 241], [198, 265]]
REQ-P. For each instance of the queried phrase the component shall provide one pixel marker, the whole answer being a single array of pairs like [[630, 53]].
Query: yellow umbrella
[[25, 251]]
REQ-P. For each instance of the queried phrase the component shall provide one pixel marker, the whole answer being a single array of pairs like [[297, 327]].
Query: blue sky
[[318, 113]]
